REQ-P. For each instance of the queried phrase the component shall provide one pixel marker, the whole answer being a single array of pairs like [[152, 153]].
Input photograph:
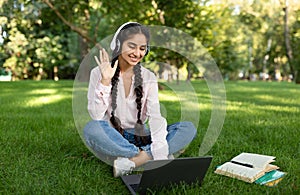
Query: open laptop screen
[[163, 173]]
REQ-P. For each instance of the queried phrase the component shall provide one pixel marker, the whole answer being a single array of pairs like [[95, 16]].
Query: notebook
[[158, 174]]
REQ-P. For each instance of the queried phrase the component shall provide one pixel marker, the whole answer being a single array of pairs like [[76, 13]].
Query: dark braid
[[114, 92], [139, 136], [138, 89]]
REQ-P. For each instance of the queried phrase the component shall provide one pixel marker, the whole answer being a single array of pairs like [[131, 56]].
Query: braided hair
[[140, 137]]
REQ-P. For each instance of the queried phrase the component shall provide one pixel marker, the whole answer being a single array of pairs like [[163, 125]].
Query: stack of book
[[252, 168]]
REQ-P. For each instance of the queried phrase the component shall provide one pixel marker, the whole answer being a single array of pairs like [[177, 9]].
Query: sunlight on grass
[[187, 100], [239, 106], [234, 106], [40, 101], [279, 108], [45, 96], [168, 97], [43, 91], [273, 98]]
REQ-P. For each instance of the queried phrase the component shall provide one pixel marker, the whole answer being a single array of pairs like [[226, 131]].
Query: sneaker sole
[[114, 169]]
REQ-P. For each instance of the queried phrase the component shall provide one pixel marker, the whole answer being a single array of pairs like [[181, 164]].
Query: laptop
[[158, 174]]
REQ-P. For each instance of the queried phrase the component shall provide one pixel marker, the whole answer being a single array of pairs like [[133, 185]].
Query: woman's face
[[134, 49]]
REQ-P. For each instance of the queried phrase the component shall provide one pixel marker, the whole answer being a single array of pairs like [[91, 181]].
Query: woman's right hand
[[107, 72]]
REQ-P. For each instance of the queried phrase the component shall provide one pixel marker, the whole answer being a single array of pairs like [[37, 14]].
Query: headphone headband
[[113, 41]]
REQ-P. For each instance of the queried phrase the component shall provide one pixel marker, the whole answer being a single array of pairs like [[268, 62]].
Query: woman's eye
[[131, 46]]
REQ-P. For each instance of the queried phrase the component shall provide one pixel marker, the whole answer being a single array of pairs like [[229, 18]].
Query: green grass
[[42, 152]]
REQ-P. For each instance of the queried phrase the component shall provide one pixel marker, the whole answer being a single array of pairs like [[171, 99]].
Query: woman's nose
[[138, 52]]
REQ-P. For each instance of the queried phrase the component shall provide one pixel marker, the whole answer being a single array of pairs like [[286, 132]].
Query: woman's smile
[[134, 49]]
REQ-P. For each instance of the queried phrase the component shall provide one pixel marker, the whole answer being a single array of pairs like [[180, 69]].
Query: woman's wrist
[[105, 81]]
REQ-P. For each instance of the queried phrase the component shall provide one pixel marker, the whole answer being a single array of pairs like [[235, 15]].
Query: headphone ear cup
[[147, 50], [118, 45]]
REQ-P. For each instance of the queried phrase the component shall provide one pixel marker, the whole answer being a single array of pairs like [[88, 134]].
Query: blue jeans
[[105, 141]]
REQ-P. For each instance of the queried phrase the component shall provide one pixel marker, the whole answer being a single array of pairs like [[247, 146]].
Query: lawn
[[42, 151]]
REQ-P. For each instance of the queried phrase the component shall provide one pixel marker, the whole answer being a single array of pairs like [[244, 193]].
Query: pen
[[243, 164]]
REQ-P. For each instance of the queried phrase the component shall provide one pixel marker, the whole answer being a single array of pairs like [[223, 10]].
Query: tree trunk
[[55, 72], [189, 75], [177, 76], [289, 52], [80, 30], [85, 68], [297, 75]]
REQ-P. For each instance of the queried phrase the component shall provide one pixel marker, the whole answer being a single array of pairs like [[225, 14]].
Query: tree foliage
[[242, 36]]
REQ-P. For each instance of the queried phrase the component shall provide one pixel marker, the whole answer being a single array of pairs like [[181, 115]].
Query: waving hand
[[107, 72]]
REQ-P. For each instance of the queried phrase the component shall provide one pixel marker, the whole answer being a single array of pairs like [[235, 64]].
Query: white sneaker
[[123, 166]]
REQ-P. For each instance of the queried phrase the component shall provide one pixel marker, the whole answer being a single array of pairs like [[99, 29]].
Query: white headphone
[[116, 43]]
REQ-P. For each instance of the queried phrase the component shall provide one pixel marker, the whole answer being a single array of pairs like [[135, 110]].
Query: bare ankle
[[141, 158]]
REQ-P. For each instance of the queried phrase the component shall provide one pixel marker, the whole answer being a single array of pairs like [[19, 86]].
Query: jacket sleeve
[[98, 96]]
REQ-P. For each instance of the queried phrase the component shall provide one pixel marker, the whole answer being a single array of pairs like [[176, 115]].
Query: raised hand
[[107, 72]]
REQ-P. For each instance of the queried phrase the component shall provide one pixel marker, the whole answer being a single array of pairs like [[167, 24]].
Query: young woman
[[122, 98]]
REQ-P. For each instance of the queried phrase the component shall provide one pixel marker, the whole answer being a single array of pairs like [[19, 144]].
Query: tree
[[31, 51], [288, 46], [295, 42], [40, 36]]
